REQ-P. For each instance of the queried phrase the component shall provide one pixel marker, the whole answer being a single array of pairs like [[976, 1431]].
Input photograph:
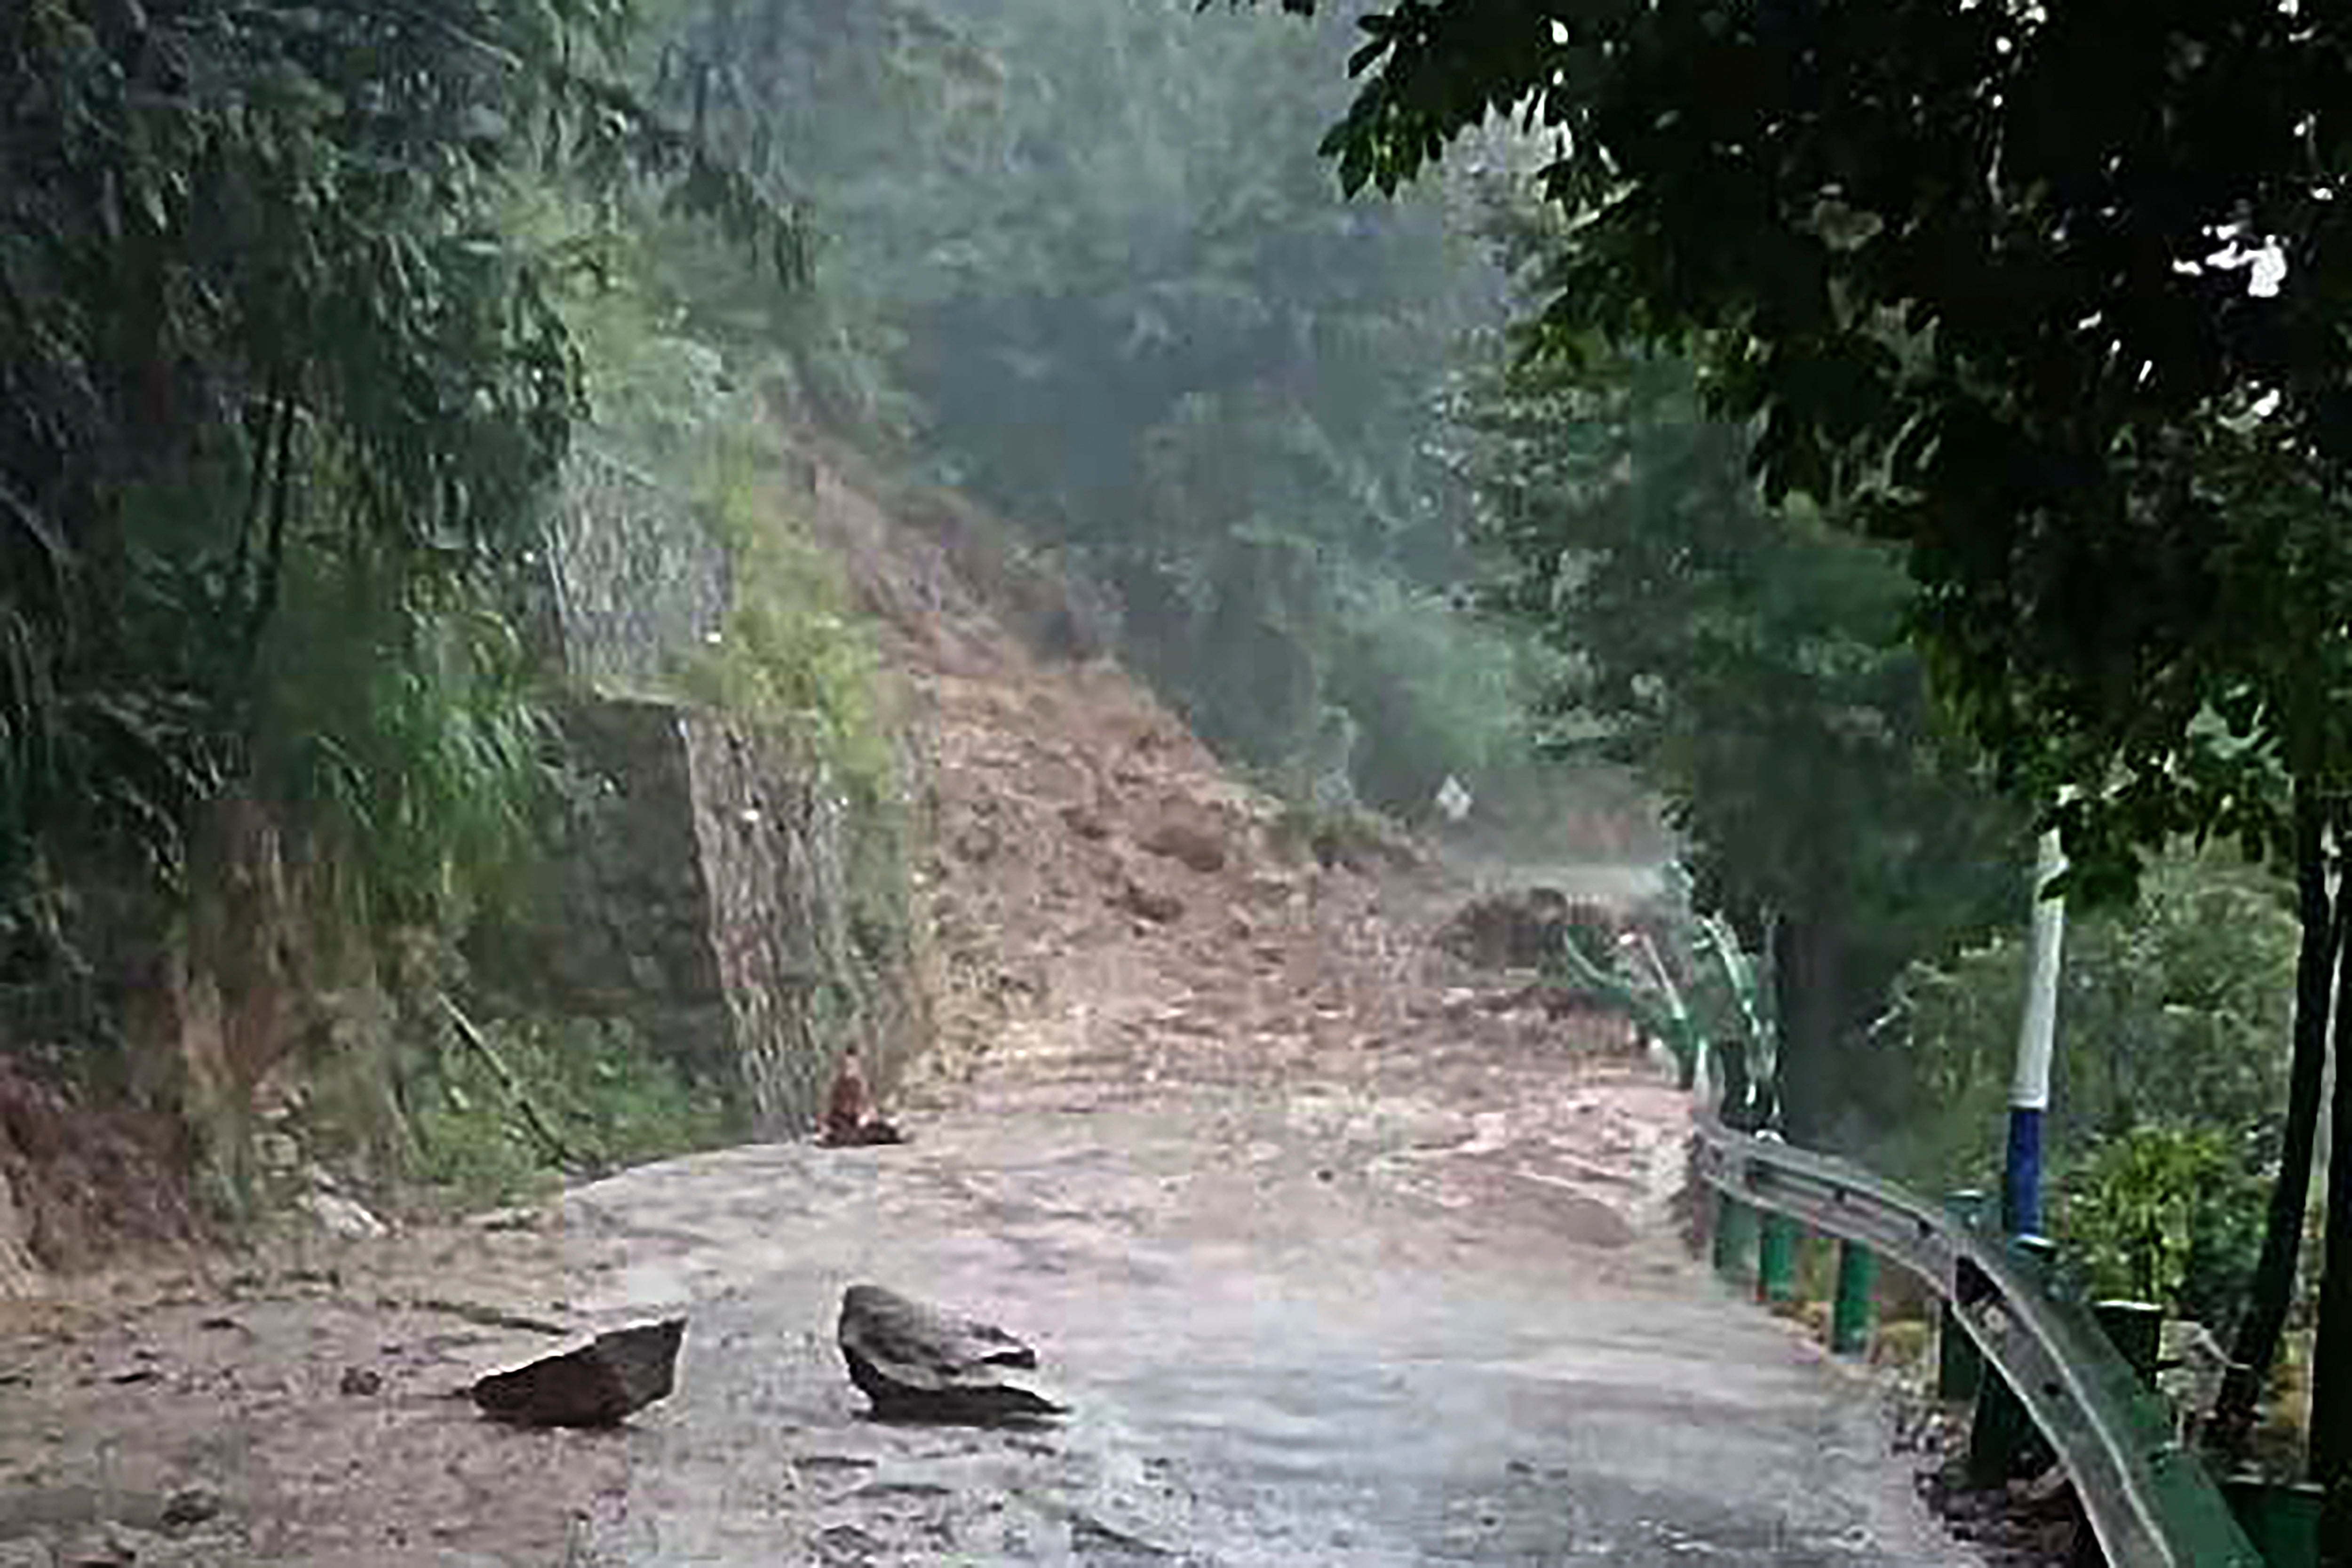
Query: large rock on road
[[599, 1384], [918, 1362]]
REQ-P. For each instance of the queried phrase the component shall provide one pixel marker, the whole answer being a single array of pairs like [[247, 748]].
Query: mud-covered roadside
[[300, 1406]]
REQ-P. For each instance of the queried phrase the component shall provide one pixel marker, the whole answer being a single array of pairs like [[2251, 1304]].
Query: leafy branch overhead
[[1749, 665], [2044, 297]]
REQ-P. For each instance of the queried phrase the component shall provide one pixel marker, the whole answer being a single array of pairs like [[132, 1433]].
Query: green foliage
[[263, 332], [1092, 248], [401, 722], [791, 657], [2044, 297], [2167, 1086], [2172, 1012], [1746, 664], [610, 1098], [1433, 692], [2166, 1216]]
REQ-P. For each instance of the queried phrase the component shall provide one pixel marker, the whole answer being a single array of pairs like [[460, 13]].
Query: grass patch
[[609, 1098], [791, 655]]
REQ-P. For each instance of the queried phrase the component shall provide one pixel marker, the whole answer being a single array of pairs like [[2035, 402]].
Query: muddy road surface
[[1322, 1295], [1327, 1307]]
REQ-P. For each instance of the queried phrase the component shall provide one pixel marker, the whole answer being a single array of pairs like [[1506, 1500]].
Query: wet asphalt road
[[1306, 1323]]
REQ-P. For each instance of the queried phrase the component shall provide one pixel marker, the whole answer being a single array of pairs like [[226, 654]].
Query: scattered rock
[[342, 1217], [190, 1506], [845, 1544], [1189, 845], [599, 1384], [1096, 1542], [109, 1546], [1086, 823], [361, 1383], [1525, 929], [1272, 888], [1555, 1001], [918, 1362], [1153, 904], [488, 1315], [2190, 1367]]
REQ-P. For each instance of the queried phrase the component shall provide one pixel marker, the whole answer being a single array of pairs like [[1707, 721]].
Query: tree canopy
[[1750, 667], [2042, 296], [1086, 263]]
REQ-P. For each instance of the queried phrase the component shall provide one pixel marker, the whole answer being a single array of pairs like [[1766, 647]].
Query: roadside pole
[[2002, 1441], [2029, 1093]]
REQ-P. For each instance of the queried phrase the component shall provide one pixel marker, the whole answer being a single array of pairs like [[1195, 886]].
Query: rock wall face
[[635, 582], [717, 890], [806, 977], [623, 923]]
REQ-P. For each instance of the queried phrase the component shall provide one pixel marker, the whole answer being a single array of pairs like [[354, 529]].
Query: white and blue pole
[[2029, 1091]]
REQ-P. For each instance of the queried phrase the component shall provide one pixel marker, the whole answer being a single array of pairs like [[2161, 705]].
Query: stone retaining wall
[[709, 890]]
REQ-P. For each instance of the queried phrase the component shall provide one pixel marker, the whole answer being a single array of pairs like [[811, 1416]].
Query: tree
[[1749, 665], [1093, 250], [2053, 297], [265, 331]]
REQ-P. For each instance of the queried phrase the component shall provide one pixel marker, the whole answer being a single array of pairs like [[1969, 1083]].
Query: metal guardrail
[[2150, 1500]]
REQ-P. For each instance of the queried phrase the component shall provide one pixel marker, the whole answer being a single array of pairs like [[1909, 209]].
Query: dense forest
[[1088, 267], [1869, 525]]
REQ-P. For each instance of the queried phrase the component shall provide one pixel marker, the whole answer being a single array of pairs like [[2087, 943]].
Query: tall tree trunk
[[2260, 1326], [1807, 994], [2331, 1375]]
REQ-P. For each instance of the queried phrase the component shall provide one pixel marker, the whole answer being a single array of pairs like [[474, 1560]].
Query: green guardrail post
[[2137, 1331], [2003, 1442], [2282, 1521], [1735, 1237], [1857, 1272], [1960, 1365], [1776, 1261]]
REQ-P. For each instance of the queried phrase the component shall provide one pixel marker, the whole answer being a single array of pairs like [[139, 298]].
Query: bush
[[789, 656], [611, 1100], [2173, 1014], [2166, 1214], [1432, 692]]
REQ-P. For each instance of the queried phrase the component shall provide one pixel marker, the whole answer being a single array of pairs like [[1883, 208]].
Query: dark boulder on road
[[599, 1384], [916, 1362]]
